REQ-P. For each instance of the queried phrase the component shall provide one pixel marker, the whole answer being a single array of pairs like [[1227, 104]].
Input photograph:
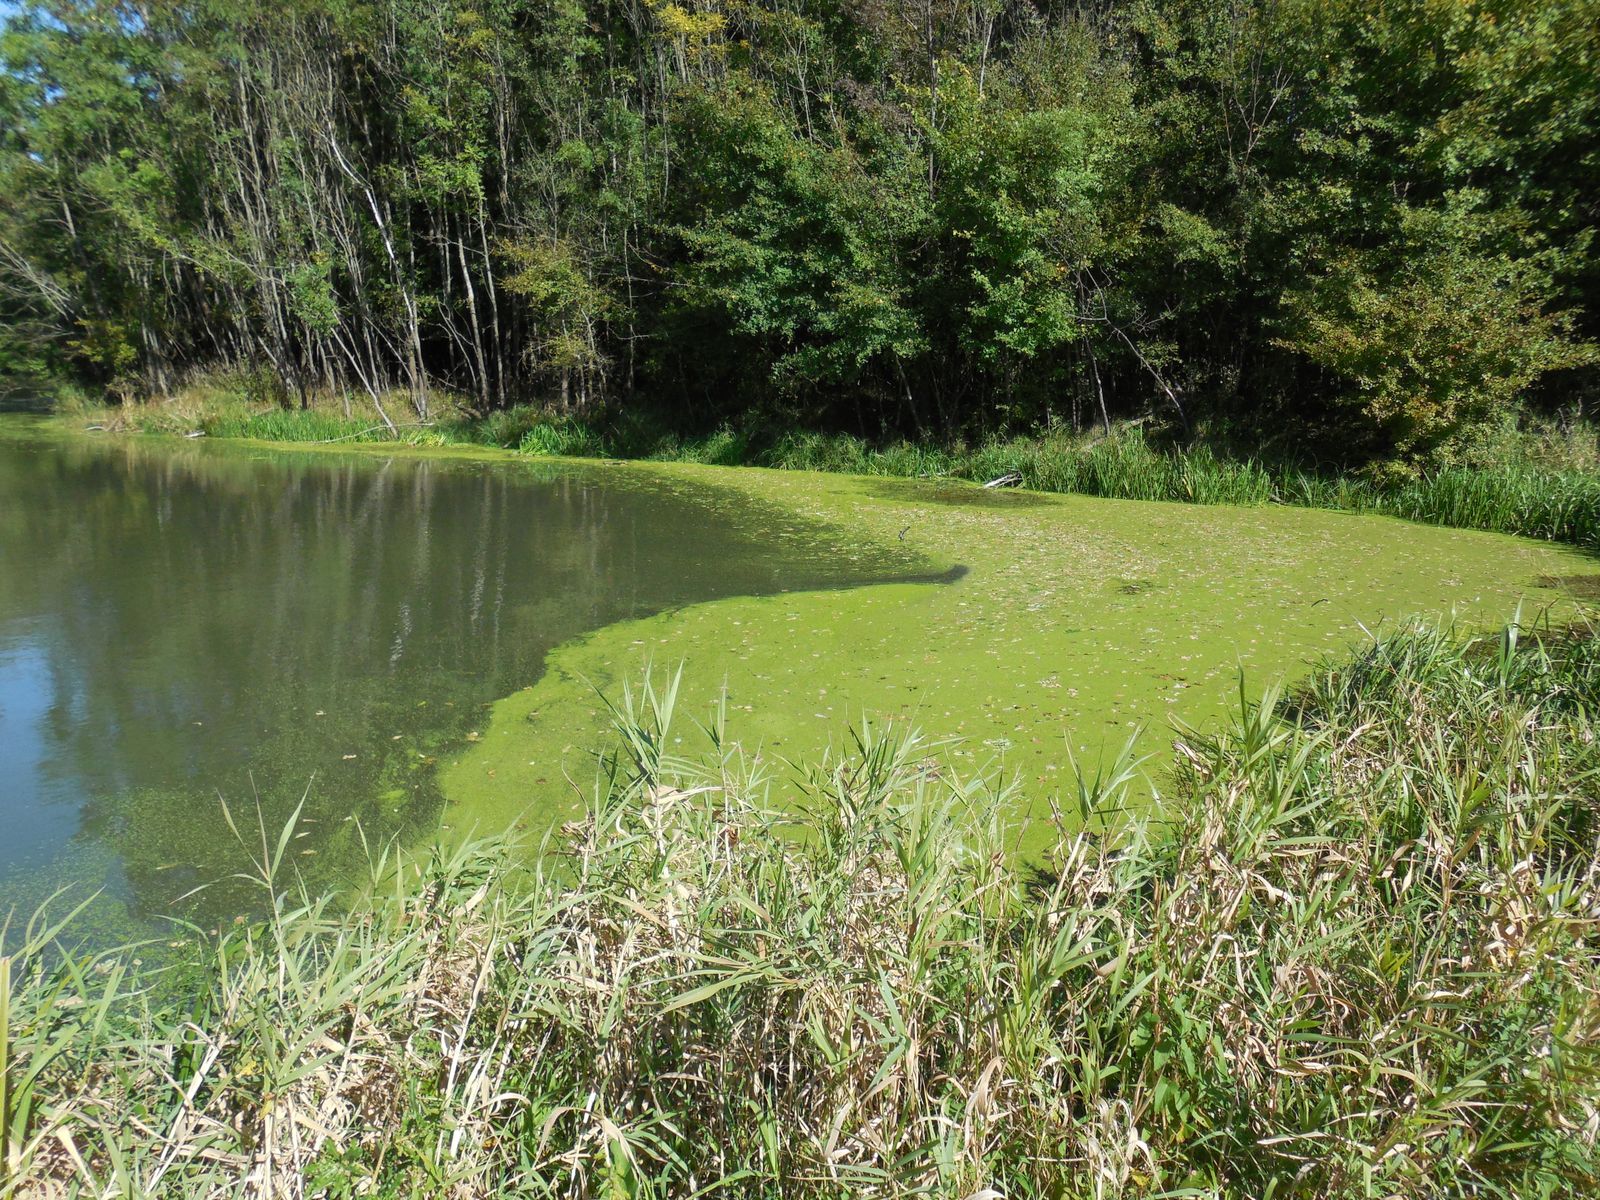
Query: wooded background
[[1370, 223]]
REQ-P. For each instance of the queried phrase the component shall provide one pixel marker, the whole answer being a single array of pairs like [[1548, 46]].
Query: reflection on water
[[183, 624]]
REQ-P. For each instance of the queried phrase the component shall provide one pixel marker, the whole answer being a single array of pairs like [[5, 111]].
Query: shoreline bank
[[1544, 487], [1402, 965]]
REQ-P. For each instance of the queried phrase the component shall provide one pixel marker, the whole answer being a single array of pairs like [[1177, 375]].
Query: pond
[[195, 638]]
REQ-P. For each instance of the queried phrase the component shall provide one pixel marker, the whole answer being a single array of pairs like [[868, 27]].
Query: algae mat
[[1077, 624]]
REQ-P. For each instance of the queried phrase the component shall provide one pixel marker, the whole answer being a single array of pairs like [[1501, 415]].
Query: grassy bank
[[1354, 958], [1541, 484]]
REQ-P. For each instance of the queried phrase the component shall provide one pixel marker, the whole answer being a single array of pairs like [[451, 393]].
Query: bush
[[1448, 343], [508, 427], [722, 448]]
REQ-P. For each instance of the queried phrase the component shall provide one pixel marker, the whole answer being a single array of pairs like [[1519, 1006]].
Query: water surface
[[185, 626]]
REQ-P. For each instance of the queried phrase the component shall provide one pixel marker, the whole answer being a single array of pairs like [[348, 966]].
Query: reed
[[1352, 956]]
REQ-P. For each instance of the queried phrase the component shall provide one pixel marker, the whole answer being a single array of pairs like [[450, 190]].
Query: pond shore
[[1348, 949], [1541, 482], [1352, 959]]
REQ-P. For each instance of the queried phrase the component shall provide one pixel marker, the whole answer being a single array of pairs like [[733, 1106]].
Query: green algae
[[1584, 587], [955, 491], [1078, 625]]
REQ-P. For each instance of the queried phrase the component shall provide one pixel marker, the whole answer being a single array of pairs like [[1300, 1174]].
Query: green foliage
[[1034, 199], [567, 306], [559, 435], [1351, 958], [1537, 482], [1368, 231], [1451, 344], [1561, 506], [800, 246], [506, 427]]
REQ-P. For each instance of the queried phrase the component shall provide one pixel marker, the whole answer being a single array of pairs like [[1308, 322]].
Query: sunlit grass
[[1353, 957]]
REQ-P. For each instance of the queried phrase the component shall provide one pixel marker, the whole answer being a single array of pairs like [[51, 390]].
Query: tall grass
[[1512, 492], [1354, 956], [1515, 498]]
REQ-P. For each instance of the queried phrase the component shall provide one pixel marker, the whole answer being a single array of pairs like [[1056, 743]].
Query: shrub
[[1447, 344], [508, 427]]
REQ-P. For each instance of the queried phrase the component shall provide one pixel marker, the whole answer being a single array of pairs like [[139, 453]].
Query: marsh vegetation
[[1541, 482]]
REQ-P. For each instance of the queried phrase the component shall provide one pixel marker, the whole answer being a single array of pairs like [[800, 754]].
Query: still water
[[189, 626]]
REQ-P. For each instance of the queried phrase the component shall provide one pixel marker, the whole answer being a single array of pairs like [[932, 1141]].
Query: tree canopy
[[924, 217]]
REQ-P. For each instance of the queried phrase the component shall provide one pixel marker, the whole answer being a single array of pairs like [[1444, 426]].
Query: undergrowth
[[1353, 956]]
